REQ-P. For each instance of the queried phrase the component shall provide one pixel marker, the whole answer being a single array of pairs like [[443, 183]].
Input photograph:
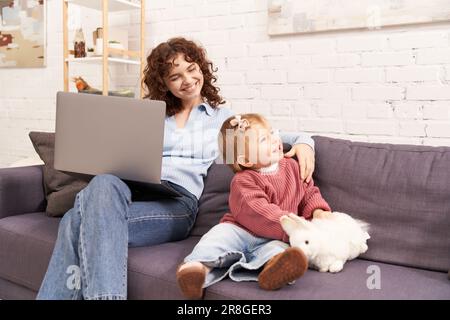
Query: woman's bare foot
[[191, 277]]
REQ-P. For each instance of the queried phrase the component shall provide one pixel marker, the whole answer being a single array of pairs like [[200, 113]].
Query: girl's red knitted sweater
[[257, 201]]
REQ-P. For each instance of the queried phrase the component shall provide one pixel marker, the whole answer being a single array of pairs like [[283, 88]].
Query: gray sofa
[[402, 191]]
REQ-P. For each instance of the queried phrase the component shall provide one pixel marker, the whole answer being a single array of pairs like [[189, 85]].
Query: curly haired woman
[[89, 260]]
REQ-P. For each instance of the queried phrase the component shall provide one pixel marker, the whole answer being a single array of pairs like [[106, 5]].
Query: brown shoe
[[283, 268], [190, 280]]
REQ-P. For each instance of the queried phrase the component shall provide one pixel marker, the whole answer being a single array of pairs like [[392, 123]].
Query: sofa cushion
[[21, 191], [151, 270], [26, 245], [403, 191], [353, 282], [60, 188], [12, 291], [213, 203]]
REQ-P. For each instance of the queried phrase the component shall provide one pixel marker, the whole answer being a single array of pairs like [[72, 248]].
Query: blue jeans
[[231, 250], [89, 260]]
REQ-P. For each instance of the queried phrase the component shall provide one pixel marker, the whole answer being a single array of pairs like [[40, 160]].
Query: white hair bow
[[242, 124]]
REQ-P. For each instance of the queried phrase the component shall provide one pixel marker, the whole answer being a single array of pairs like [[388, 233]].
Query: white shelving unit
[[100, 59], [124, 56], [114, 5]]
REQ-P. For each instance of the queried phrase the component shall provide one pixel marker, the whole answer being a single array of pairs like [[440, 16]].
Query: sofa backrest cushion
[[403, 191], [213, 203]]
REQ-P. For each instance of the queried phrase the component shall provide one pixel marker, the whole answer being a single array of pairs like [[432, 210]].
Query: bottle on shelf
[[79, 44], [98, 41]]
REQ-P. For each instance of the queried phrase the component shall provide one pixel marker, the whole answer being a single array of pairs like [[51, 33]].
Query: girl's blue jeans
[[89, 260], [234, 252]]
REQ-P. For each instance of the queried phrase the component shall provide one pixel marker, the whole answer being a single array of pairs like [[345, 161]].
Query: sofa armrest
[[21, 191]]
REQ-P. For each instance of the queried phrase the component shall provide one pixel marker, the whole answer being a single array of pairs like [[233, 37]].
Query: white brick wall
[[388, 85]]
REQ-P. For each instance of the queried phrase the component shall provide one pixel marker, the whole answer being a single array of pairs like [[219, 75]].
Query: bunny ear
[[301, 222], [295, 217], [288, 224]]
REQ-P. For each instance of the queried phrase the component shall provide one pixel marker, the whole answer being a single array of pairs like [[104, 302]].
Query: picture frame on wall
[[310, 16], [23, 33]]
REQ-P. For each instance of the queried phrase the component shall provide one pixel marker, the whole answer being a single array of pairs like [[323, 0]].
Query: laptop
[[97, 134]]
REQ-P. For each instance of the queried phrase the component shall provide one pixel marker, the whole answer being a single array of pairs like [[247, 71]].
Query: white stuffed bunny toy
[[328, 243]]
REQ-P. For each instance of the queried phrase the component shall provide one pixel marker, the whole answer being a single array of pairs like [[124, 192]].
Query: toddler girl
[[249, 243]]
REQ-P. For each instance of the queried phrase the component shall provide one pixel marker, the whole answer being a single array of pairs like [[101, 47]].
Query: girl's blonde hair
[[233, 135]]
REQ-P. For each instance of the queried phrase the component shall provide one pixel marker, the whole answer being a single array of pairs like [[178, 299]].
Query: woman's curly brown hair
[[159, 63]]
